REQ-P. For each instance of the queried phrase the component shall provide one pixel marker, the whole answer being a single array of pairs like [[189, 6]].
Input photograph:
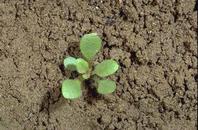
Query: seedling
[[90, 45]]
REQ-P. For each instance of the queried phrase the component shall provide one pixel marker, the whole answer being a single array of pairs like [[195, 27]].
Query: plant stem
[[81, 78]]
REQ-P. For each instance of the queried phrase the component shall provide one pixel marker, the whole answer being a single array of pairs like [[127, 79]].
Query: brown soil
[[154, 43]]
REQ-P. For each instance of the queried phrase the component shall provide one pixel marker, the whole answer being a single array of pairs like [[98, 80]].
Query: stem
[[81, 78]]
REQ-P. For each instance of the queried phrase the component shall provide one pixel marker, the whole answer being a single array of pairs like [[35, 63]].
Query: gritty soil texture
[[154, 42]]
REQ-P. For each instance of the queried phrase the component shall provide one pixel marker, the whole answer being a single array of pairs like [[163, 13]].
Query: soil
[[155, 43]]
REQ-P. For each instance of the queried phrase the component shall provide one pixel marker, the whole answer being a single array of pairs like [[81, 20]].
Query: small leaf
[[82, 66], [71, 89], [70, 63], [90, 44], [86, 76], [107, 67], [106, 86]]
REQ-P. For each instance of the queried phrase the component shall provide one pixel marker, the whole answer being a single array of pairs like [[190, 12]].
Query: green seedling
[[90, 45]]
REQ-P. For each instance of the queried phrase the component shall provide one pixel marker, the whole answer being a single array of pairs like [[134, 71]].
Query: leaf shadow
[[90, 94], [73, 50], [53, 99], [196, 5]]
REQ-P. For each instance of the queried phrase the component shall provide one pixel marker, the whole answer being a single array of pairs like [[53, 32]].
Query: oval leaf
[[82, 66], [106, 86], [71, 89], [107, 67], [90, 44], [70, 63]]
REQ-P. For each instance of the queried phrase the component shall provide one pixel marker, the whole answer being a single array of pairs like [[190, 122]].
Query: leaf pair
[[106, 68], [71, 89], [79, 64]]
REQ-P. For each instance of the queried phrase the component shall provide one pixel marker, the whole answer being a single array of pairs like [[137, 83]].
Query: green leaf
[[90, 44], [82, 66], [70, 63], [106, 68], [86, 76], [71, 89], [106, 86]]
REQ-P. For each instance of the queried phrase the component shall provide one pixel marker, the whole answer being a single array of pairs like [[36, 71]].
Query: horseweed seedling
[[90, 44]]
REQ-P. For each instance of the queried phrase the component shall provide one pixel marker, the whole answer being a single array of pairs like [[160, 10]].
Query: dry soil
[[154, 41]]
